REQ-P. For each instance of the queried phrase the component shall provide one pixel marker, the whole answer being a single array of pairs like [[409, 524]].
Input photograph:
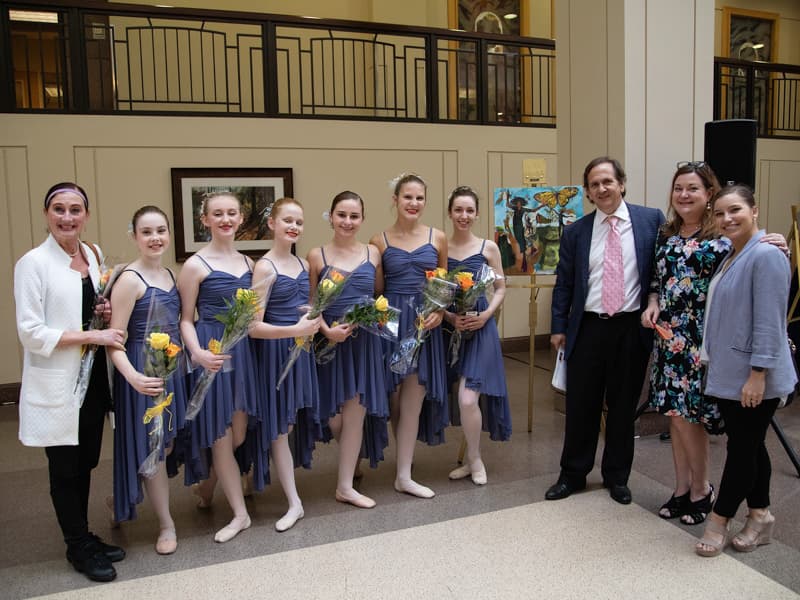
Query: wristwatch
[[757, 369]]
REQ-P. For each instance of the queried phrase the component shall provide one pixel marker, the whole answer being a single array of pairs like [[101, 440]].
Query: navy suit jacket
[[572, 273]]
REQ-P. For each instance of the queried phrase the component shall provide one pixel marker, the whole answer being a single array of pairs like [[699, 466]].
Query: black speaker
[[730, 149]]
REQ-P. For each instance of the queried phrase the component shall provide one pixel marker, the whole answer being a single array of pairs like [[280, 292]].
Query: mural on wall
[[529, 223]]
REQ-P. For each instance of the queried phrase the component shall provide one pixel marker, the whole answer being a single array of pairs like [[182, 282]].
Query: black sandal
[[676, 506], [697, 511]]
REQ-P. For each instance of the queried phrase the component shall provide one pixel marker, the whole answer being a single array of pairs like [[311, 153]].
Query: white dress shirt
[[600, 229]]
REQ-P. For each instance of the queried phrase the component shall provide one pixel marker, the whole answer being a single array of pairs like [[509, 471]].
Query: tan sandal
[[763, 534], [706, 546]]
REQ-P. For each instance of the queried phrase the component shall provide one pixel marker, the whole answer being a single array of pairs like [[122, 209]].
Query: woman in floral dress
[[687, 255]]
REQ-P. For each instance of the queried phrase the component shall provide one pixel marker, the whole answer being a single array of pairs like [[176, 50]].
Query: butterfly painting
[[529, 223]]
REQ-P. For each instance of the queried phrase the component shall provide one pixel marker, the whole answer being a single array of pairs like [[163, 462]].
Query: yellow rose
[[158, 341], [214, 346], [246, 296], [381, 304], [327, 285], [441, 272], [173, 350]]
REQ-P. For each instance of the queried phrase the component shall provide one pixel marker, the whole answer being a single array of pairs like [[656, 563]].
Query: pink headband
[[63, 190]]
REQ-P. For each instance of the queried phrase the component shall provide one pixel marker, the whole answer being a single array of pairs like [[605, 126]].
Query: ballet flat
[[167, 542], [361, 501], [287, 521], [461, 472], [227, 533]]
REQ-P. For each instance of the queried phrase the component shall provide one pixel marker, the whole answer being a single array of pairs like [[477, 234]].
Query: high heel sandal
[[675, 507], [763, 530], [697, 511], [712, 526]]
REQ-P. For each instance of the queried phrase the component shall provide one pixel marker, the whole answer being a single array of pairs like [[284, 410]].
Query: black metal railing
[[101, 58], [766, 92]]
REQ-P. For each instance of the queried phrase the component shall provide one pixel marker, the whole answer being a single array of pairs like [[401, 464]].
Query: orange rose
[[464, 280], [172, 350]]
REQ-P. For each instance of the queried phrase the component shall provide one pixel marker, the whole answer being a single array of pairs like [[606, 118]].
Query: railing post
[[431, 78], [750, 92], [717, 91], [78, 96], [269, 43], [482, 80]]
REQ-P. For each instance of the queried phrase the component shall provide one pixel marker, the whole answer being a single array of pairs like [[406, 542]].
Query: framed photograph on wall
[[257, 190]]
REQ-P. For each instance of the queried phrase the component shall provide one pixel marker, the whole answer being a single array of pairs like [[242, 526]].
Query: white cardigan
[[48, 295]]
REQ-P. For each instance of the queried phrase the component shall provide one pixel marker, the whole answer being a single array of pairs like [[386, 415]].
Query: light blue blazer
[[746, 323]]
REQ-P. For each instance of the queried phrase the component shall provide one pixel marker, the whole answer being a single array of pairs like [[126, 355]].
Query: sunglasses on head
[[699, 164]]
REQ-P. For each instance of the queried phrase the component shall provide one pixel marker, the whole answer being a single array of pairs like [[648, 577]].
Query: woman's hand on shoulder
[[777, 240], [112, 338]]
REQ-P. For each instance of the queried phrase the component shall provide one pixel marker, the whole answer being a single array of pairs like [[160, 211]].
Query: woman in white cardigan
[[55, 289]]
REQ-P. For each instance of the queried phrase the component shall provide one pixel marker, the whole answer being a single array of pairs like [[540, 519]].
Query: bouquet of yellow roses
[[329, 289], [373, 315], [437, 294], [470, 290], [107, 277], [240, 312], [161, 359]]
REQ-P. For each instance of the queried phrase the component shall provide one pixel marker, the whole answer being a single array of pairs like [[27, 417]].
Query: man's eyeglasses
[[699, 164]]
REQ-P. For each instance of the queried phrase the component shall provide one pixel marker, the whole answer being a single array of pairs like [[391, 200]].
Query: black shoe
[[620, 493], [91, 561], [665, 436], [560, 490], [113, 553]]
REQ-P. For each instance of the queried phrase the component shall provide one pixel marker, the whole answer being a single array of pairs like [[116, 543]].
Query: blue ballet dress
[[234, 387], [296, 403], [404, 276], [480, 362], [131, 436], [357, 366]]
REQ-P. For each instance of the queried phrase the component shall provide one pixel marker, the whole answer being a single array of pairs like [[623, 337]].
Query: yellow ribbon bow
[[158, 409]]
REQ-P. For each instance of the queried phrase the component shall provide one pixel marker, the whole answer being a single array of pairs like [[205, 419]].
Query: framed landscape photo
[[257, 190]]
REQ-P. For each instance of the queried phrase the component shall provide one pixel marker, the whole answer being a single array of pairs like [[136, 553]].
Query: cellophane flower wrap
[[373, 315], [108, 274], [470, 290], [329, 289], [437, 294], [162, 358], [240, 313]]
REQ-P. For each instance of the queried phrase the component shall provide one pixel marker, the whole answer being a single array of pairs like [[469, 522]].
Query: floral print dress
[[683, 270]]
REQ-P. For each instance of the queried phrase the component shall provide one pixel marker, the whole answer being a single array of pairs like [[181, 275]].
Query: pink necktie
[[613, 295]]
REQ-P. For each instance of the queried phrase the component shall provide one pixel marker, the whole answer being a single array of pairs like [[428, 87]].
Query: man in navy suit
[[606, 348]]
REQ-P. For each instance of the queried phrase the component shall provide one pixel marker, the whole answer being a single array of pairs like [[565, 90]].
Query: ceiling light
[[510, 16]]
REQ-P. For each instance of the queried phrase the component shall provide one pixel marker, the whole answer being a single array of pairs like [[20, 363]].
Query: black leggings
[[71, 467], [747, 467]]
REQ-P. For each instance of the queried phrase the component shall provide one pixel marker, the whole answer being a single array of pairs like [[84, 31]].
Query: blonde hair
[[208, 197], [280, 203]]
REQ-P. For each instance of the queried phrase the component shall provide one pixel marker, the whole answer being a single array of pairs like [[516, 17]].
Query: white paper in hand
[[559, 381]]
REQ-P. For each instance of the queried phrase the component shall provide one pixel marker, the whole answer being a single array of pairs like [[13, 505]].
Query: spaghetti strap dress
[[234, 387], [480, 362], [357, 366], [131, 435], [404, 277], [296, 403]]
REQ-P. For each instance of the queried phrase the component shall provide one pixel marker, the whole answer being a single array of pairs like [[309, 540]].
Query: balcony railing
[[766, 92], [100, 58]]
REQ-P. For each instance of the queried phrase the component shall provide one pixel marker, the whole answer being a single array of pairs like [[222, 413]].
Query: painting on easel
[[529, 223]]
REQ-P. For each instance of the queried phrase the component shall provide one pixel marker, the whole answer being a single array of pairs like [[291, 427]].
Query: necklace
[[688, 230], [74, 254]]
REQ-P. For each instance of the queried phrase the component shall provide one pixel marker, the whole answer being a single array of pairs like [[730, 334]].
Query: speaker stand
[[786, 445]]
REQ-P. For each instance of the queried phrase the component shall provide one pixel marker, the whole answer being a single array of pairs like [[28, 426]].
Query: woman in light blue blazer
[[749, 367]]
